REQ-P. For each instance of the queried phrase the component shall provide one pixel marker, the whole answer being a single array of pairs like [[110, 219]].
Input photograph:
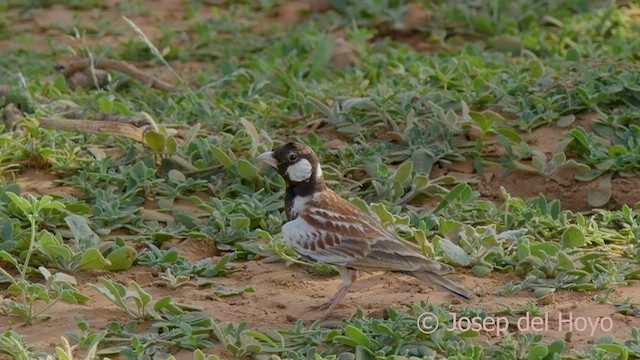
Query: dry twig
[[11, 115], [107, 64], [114, 128]]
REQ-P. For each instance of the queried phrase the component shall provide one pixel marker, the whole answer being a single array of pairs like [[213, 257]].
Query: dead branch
[[294, 119], [12, 116], [97, 127], [116, 65]]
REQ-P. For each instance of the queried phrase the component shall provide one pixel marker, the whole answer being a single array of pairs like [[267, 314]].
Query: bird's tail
[[442, 282]]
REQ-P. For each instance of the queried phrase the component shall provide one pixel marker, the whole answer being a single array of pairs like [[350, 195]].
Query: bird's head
[[296, 163]]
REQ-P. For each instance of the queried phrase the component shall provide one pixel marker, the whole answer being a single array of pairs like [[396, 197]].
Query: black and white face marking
[[297, 163], [300, 168], [300, 171]]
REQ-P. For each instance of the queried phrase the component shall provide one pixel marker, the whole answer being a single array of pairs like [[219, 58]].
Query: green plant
[[141, 307], [32, 208], [56, 287], [13, 344], [171, 261], [419, 112]]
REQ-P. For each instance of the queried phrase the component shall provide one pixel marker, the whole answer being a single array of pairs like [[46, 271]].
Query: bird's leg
[[327, 303], [348, 278]]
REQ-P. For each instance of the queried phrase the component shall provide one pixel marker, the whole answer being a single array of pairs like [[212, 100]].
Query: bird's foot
[[325, 305]]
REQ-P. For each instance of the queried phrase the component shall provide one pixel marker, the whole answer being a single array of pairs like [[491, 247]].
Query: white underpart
[[299, 203], [318, 172], [297, 232], [300, 171]]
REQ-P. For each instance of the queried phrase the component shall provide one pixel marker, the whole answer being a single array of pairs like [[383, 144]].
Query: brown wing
[[334, 231]]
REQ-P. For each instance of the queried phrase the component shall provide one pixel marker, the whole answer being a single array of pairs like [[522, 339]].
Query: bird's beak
[[268, 158]]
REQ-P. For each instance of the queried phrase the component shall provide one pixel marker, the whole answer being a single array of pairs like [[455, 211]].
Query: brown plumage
[[324, 227]]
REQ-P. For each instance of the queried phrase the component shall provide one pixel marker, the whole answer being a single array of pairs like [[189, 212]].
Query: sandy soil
[[283, 294]]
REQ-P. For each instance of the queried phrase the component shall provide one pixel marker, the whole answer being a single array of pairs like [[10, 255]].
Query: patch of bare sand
[[37, 181], [284, 294]]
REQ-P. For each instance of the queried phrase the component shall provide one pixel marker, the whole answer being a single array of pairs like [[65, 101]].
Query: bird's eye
[[293, 157]]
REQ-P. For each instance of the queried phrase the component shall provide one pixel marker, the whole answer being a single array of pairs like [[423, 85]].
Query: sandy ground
[[284, 294]]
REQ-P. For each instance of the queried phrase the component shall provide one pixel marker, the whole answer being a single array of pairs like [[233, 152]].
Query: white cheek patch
[[300, 171], [318, 172]]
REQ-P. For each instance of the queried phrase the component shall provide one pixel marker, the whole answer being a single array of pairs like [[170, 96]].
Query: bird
[[323, 227]]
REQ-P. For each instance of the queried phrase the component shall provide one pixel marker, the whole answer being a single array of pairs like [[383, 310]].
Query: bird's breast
[[296, 205]]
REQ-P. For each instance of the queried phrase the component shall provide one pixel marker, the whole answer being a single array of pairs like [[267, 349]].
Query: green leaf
[[566, 120], [615, 349], [53, 247], [93, 259], [246, 169], [223, 261], [52, 205], [121, 258], [6, 230], [555, 209], [323, 52], [572, 55], [105, 105], [382, 213], [446, 226], [357, 335], [549, 248], [166, 305], [527, 264], [223, 291], [453, 193], [453, 252], [557, 346], [522, 251], [253, 133], [538, 164], [144, 298], [172, 145], [176, 176], [422, 161], [221, 156], [565, 261], [20, 202], [480, 120], [112, 291], [261, 337], [510, 134], [403, 174], [171, 256], [240, 222], [82, 233], [5, 256], [322, 107], [155, 141], [537, 352], [480, 270], [345, 340], [543, 291], [572, 237], [589, 175], [617, 150], [536, 69]]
